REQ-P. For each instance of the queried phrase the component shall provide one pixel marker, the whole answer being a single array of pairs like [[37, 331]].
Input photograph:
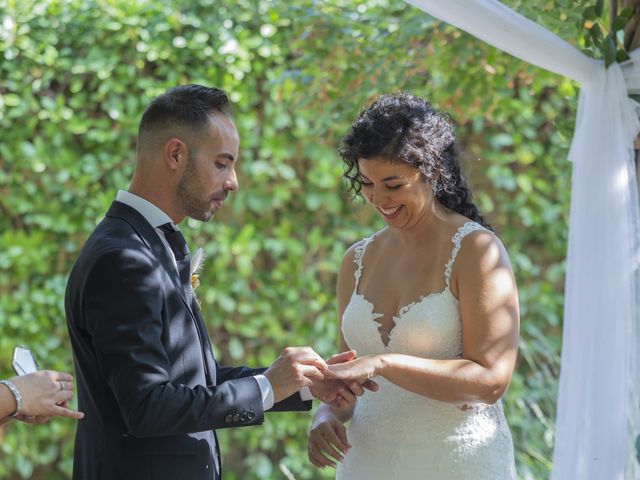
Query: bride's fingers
[[370, 385], [313, 455], [341, 435], [318, 458], [337, 436], [341, 357], [343, 371], [328, 449]]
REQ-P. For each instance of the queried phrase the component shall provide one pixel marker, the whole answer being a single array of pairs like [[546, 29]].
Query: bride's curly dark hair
[[405, 128]]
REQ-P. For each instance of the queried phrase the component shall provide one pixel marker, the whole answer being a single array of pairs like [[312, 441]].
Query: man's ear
[[175, 153]]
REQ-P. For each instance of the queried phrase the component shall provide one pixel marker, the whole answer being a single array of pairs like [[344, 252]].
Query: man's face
[[210, 173]]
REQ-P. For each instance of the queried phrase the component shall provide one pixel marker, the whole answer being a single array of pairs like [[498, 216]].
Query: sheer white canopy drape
[[598, 407]]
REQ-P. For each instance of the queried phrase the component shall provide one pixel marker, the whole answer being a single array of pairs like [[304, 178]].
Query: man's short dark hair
[[183, 107]]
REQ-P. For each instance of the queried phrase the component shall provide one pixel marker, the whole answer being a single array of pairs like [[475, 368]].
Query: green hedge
[[75, 76]]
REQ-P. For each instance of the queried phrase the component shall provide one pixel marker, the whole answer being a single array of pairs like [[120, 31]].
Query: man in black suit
[[150, 388]]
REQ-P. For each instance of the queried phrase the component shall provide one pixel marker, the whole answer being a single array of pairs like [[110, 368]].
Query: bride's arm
[[327, 441], [488, 299]]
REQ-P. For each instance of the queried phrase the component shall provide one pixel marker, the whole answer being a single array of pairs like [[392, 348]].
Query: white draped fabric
[[598, 407]]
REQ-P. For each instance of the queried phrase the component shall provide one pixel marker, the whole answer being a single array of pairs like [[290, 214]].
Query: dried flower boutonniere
[[194, 269]]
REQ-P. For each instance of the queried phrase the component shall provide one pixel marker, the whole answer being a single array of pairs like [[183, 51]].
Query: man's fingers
[[355, 388], [304, 355], [333, 374], [311, 373], [342, 357], [347, 396], [308, 356], [316, 361]]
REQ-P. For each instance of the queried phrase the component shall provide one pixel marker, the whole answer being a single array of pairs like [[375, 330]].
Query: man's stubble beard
[[188, 199]]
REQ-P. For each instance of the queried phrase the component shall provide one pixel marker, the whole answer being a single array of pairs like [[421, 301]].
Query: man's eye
[[221, 165]]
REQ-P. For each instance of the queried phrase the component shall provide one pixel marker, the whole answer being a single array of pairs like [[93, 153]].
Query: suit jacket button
[[243, 417], [228, 418], [236, 417], [251, 415]]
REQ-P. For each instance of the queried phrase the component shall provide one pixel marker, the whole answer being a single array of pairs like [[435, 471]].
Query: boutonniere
[[194, 269]]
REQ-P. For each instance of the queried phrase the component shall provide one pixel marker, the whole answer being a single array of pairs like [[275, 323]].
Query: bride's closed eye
[[389, 187]]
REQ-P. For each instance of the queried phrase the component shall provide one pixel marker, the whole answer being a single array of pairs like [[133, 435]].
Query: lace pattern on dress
[[462, 232], [398, 434], [358, 255]]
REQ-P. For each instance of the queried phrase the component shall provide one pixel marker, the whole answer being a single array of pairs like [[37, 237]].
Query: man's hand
[[296, 367], [338, 393]]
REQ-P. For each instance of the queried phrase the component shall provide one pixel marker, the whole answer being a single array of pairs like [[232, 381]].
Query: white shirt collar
[[152, 214]]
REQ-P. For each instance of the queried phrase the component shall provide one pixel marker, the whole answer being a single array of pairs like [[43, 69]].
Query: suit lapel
[[208, 351], [150, 237]]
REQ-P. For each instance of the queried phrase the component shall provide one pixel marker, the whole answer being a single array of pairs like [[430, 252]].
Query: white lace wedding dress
[[397, 434]]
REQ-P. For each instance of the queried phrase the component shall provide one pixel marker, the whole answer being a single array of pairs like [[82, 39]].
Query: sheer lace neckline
[[462, 231]]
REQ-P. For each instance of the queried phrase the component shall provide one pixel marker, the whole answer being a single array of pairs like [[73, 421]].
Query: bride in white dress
[[430, 305]]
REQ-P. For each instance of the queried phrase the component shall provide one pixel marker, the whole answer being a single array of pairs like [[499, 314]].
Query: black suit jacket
[[147, 381]]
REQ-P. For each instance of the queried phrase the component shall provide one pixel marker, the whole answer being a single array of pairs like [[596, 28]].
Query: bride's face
[[399, 193]]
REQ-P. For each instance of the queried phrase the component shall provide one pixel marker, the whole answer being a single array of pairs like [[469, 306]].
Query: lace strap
[[462, 232], [359, 254]]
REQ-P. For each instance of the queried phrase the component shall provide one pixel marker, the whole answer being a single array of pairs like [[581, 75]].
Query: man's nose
[[231, 182]]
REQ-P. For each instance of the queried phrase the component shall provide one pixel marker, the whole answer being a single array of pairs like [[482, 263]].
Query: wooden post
[[632, 28]]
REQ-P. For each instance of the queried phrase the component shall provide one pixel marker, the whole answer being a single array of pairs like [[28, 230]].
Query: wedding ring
[[61, 382]]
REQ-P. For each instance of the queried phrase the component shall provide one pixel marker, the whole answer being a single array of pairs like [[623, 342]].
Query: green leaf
[[626, 13], [275, 248], [596, 36], [590, 13], [618, 24], [609, 51], [622, 56], [599, 7]]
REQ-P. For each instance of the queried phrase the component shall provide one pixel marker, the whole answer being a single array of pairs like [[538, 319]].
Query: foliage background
[[75, 76]]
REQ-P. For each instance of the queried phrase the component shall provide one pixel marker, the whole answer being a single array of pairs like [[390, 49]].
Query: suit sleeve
[[122, 303]]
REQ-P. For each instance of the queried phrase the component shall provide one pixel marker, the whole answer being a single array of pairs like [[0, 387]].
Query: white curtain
[[598, 407]]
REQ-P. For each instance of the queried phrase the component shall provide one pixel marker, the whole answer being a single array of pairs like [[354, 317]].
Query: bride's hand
[[363, 368], [341, 394], [327, 441]]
